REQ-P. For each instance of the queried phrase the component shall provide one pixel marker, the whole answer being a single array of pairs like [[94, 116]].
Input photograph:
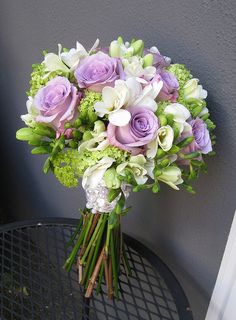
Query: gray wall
[[188, 232]]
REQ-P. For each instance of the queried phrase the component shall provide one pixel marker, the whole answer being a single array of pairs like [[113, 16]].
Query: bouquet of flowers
[[123, 118]]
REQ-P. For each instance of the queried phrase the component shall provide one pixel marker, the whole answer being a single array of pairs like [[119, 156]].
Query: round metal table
[[33, 284]]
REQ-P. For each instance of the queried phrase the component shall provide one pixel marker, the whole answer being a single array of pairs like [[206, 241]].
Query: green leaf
[[47, 165], [41, 150], [112, 220], [45, 131], [113, 193]]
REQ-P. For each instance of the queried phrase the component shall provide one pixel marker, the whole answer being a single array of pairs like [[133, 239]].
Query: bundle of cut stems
[[99, 250]]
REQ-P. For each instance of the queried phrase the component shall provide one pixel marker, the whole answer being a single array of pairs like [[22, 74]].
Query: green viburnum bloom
[[70, 165], [40, 76], [86, 109]]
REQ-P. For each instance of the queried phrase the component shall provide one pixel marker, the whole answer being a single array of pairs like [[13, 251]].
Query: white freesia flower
[[147, 96], [66, 61], [137, 166], [113, 100], [53, 62], [133, 67], [165, 137], [124, 94], [149, 166], [94, 175], [172, 176], [73, 56], [29, 118], [152, 149], [118, 50], [99, 140], [192, 90], [180, 114]]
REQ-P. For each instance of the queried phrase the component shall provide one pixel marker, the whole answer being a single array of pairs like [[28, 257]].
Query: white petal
[[180, 112], [101, 108], [109, 94], [120, 117], [96, 44], [152, 149], [54, 63]]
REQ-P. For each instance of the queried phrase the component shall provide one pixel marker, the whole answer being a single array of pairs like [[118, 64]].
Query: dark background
[[188, 232]]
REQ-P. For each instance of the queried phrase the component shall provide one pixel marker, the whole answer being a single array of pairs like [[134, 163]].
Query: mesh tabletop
[[33, 284]]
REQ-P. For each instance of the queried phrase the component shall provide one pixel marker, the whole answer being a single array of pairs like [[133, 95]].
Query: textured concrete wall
[[188, 232]]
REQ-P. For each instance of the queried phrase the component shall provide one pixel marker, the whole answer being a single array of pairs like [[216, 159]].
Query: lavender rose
[[201, 134], [141, 129], [98, 70], [57, 103], [170, 87]]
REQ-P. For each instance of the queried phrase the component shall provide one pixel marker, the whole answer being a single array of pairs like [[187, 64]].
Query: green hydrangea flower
[[40, 77], [86, 109], [70, 165], [161, 106]]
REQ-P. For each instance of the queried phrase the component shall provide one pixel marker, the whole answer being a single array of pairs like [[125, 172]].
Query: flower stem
[[100, 279], [77, 230], [98, 245], [91, 240], [114, 266]]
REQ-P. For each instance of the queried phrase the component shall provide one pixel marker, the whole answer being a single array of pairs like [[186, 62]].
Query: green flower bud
[[205, 116], [195, 112], [176, 132], [67, 125], [25, 134], [164, 163], [160, 153], [120, 40], [77, 134], [87, 135], [185, 142], [174, 150], [155, 188], [111, 179], [138, 47], [157, 172], [147, 60], [77, 123], [114, 49], [170, 119], [163, 120], [190, 155]]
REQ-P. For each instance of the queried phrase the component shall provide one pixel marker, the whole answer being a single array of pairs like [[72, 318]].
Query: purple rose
[[137, 133], [57, 103], [202, 140], [170, 87], [98, 70]]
